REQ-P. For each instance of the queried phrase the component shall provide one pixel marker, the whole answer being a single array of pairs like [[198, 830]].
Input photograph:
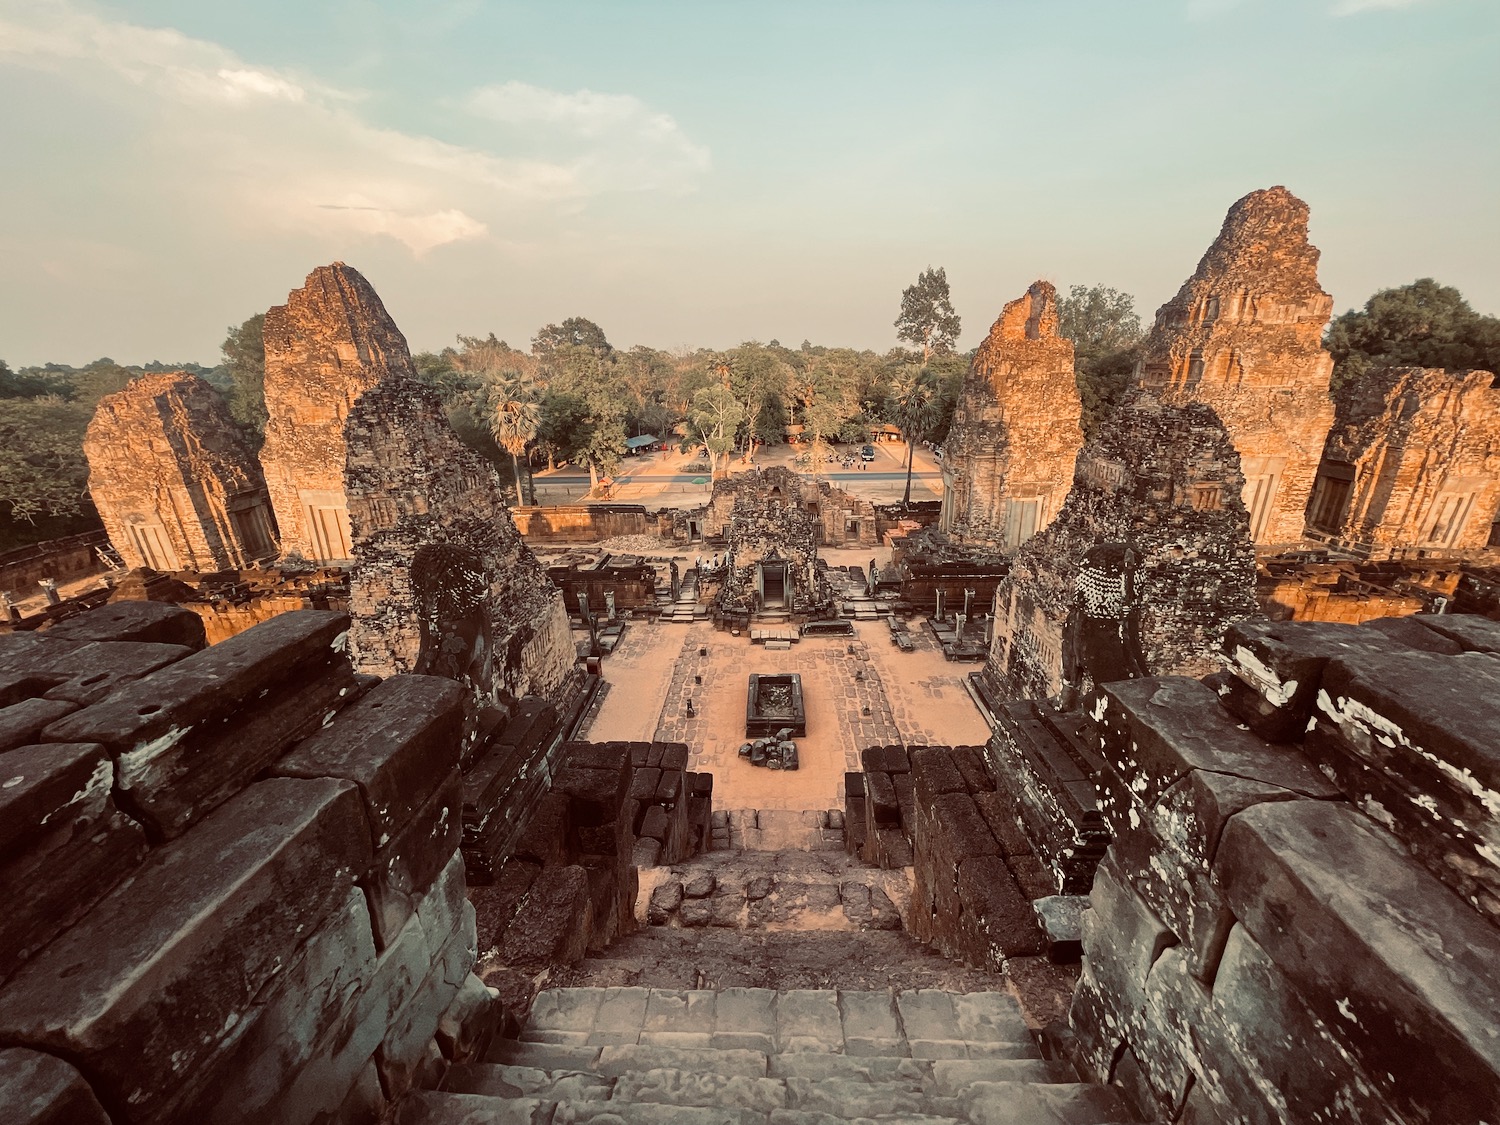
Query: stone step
[[905, 1085], [669, 1098], [624, 1022]]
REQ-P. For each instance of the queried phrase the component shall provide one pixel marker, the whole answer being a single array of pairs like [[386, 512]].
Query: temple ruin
[[1411, 467], [770, 569], [1244, 336], [385, 838], [1008, 461], [441, 582], [1145, 566], [331, 342], [173, 480]]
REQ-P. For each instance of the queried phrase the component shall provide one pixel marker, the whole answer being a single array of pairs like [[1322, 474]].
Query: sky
[[705, 172]]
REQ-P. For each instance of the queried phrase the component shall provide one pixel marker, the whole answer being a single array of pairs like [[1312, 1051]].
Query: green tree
[[575, 332], [244, 351], [1423, 324], [28, 384], [927, 319], [715, 419], [1106, 334], [43, 474], [824, 395]]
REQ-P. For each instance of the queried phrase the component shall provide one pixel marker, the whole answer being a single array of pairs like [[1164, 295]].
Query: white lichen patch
[[1250, 668], [94, 789], [340, 643]]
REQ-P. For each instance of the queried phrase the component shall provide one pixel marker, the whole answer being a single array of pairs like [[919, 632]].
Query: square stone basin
[[774, 703]]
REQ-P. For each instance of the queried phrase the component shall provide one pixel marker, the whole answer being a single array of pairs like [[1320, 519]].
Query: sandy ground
[[917, 698]]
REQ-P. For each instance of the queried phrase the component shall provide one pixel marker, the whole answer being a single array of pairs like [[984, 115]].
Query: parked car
[[867, 453]]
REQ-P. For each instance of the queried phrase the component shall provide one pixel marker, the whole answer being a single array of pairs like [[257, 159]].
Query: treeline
[[44, 412], [570, 394]]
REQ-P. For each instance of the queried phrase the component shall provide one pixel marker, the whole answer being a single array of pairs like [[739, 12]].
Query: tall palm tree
[[914, 414], [516, 421]]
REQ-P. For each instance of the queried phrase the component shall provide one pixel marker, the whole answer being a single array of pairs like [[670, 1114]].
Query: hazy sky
[[706, 172]]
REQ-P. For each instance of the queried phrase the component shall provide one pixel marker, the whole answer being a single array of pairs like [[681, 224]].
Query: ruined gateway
[[369, 866]]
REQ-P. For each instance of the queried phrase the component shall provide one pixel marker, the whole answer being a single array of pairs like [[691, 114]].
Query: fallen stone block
[[553, 922], [1061, 919]]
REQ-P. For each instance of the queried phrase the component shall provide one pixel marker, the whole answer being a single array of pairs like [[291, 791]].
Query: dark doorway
[[773, 585]]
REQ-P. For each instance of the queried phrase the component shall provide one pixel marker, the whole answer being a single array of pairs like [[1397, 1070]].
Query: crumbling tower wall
[[1144, 568], [442, 583], [1244, 335], [1016, 433], [173, 480], [1412, 465], [331, 342]]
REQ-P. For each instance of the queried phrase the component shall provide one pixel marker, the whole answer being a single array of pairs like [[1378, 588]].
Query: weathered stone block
[[1156, 730], [398, 743], [63, 844], [23, 722], [997, 920], [189, 943], [180, 735], [1277, 667], [880, 797], [1411, 991], [957, 831], [643, 784], [594, 796], [1418, 746], [553, 922], [295, 1023], [408, 1053], [38, 1089], [933, 773], [970, 763], [407, 865], [153, 622], [471, 1022], [94, 670], [1472, 632]]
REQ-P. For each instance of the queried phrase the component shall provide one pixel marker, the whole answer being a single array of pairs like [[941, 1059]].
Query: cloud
[[1355, 7], [627, 142], [272, 150]]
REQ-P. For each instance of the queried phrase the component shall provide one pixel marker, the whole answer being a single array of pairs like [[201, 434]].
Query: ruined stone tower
[[1144, 568], [173, 480], [1412, 465], [1009, 457], [330, 342], [442, 583], [1244, 336]]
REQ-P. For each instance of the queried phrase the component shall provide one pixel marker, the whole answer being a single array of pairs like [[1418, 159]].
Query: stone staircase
[[685, 609], [754, 1056]]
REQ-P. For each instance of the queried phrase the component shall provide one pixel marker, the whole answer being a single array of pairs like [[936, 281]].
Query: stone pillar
[[49, 587], [609, 605], [968, 602], [11, 613], [588, 620], [676, 580], [937, 612]]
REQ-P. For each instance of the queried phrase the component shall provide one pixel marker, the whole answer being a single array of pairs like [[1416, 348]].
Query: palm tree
[[914, 414], [516, 421]]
